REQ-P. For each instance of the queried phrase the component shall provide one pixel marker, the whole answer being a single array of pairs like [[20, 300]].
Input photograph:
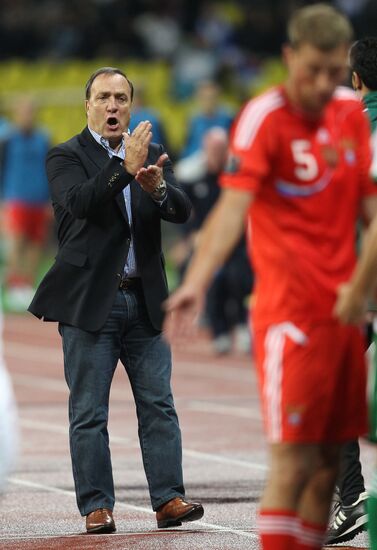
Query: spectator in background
[[5, 126], [193, 62], [262, 29], [158, 27], [209, 113], [25, 196], [140, 112], [226, 308]]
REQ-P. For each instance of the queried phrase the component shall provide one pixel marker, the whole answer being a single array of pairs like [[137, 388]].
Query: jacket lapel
[[96, 153], [135, 200], [99, 156], [122, 205]]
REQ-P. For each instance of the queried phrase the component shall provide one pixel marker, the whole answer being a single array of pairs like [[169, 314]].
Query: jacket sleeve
[[177, 206], [71, 188]]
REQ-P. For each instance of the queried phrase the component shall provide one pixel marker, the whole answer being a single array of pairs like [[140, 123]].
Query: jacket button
[[119, 275]]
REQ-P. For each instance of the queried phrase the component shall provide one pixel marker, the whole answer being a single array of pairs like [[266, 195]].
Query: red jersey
[[308, 178]]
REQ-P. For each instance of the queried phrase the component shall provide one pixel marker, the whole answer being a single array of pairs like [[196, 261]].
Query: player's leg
[[351, 480], [278, 521], [315, 501], [15, 235], [349, 516], [372, 513], [296, 501], [36, 234], [301, 372]]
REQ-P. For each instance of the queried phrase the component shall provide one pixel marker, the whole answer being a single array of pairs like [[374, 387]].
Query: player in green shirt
[[353, 297]]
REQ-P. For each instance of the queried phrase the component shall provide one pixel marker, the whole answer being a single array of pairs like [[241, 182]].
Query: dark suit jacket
[[94, 236]]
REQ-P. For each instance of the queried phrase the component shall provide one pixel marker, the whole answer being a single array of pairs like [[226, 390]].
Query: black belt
[[130, 282]]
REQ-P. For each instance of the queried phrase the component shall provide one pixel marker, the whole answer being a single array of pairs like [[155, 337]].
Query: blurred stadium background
[[49, 47]]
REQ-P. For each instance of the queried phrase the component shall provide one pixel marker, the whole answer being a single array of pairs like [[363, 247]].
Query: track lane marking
[[207, 406], [49, 354], [54, 384], [53, 489], [191, 453]]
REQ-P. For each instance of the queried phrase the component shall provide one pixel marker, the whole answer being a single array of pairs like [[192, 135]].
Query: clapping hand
[[137, 144], [149, 178]]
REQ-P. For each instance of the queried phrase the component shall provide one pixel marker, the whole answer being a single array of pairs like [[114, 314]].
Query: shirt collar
[[121, 153]]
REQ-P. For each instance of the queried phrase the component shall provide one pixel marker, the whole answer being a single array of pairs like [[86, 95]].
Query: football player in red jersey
[[298, 176]]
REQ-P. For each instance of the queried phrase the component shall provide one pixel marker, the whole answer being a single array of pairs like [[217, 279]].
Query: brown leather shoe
[[173, 512], [100, 521]]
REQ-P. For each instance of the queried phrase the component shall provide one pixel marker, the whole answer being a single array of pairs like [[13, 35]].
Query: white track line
[[199, 367], [59, 385], [206, 406], [37, 352], [215, 527], [48, 354], [224, 460], [46, 426], [42, 382], [56, 384], [198, 455]]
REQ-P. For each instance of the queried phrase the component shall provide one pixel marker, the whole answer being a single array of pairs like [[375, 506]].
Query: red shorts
[[26, 220], [313, 382]]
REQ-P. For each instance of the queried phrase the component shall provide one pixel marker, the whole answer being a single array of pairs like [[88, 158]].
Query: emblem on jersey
[[232, 164], [349, 147], [330, 155]]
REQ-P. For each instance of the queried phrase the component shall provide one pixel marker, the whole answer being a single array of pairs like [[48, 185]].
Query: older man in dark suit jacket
[[110, 190]]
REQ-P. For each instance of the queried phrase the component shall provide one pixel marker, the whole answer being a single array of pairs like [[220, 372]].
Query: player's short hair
[[363, 61], [105, 70], [319, 25]]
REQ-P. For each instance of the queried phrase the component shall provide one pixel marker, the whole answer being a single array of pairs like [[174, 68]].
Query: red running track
[[224, 453]]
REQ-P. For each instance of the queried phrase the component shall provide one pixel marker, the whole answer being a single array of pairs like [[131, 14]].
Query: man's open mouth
[[112, 122]]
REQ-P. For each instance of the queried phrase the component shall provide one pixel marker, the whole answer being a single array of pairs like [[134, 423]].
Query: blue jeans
[[90, 360]]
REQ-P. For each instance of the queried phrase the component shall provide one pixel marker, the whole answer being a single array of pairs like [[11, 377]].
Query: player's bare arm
[[369, 208], [220, 233]]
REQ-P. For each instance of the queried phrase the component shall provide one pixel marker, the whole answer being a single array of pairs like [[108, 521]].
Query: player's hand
[[149, 178], [183, 309], [350, 306], [137, 144]]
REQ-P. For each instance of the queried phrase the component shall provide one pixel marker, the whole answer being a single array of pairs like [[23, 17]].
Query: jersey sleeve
[[250, 151]]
